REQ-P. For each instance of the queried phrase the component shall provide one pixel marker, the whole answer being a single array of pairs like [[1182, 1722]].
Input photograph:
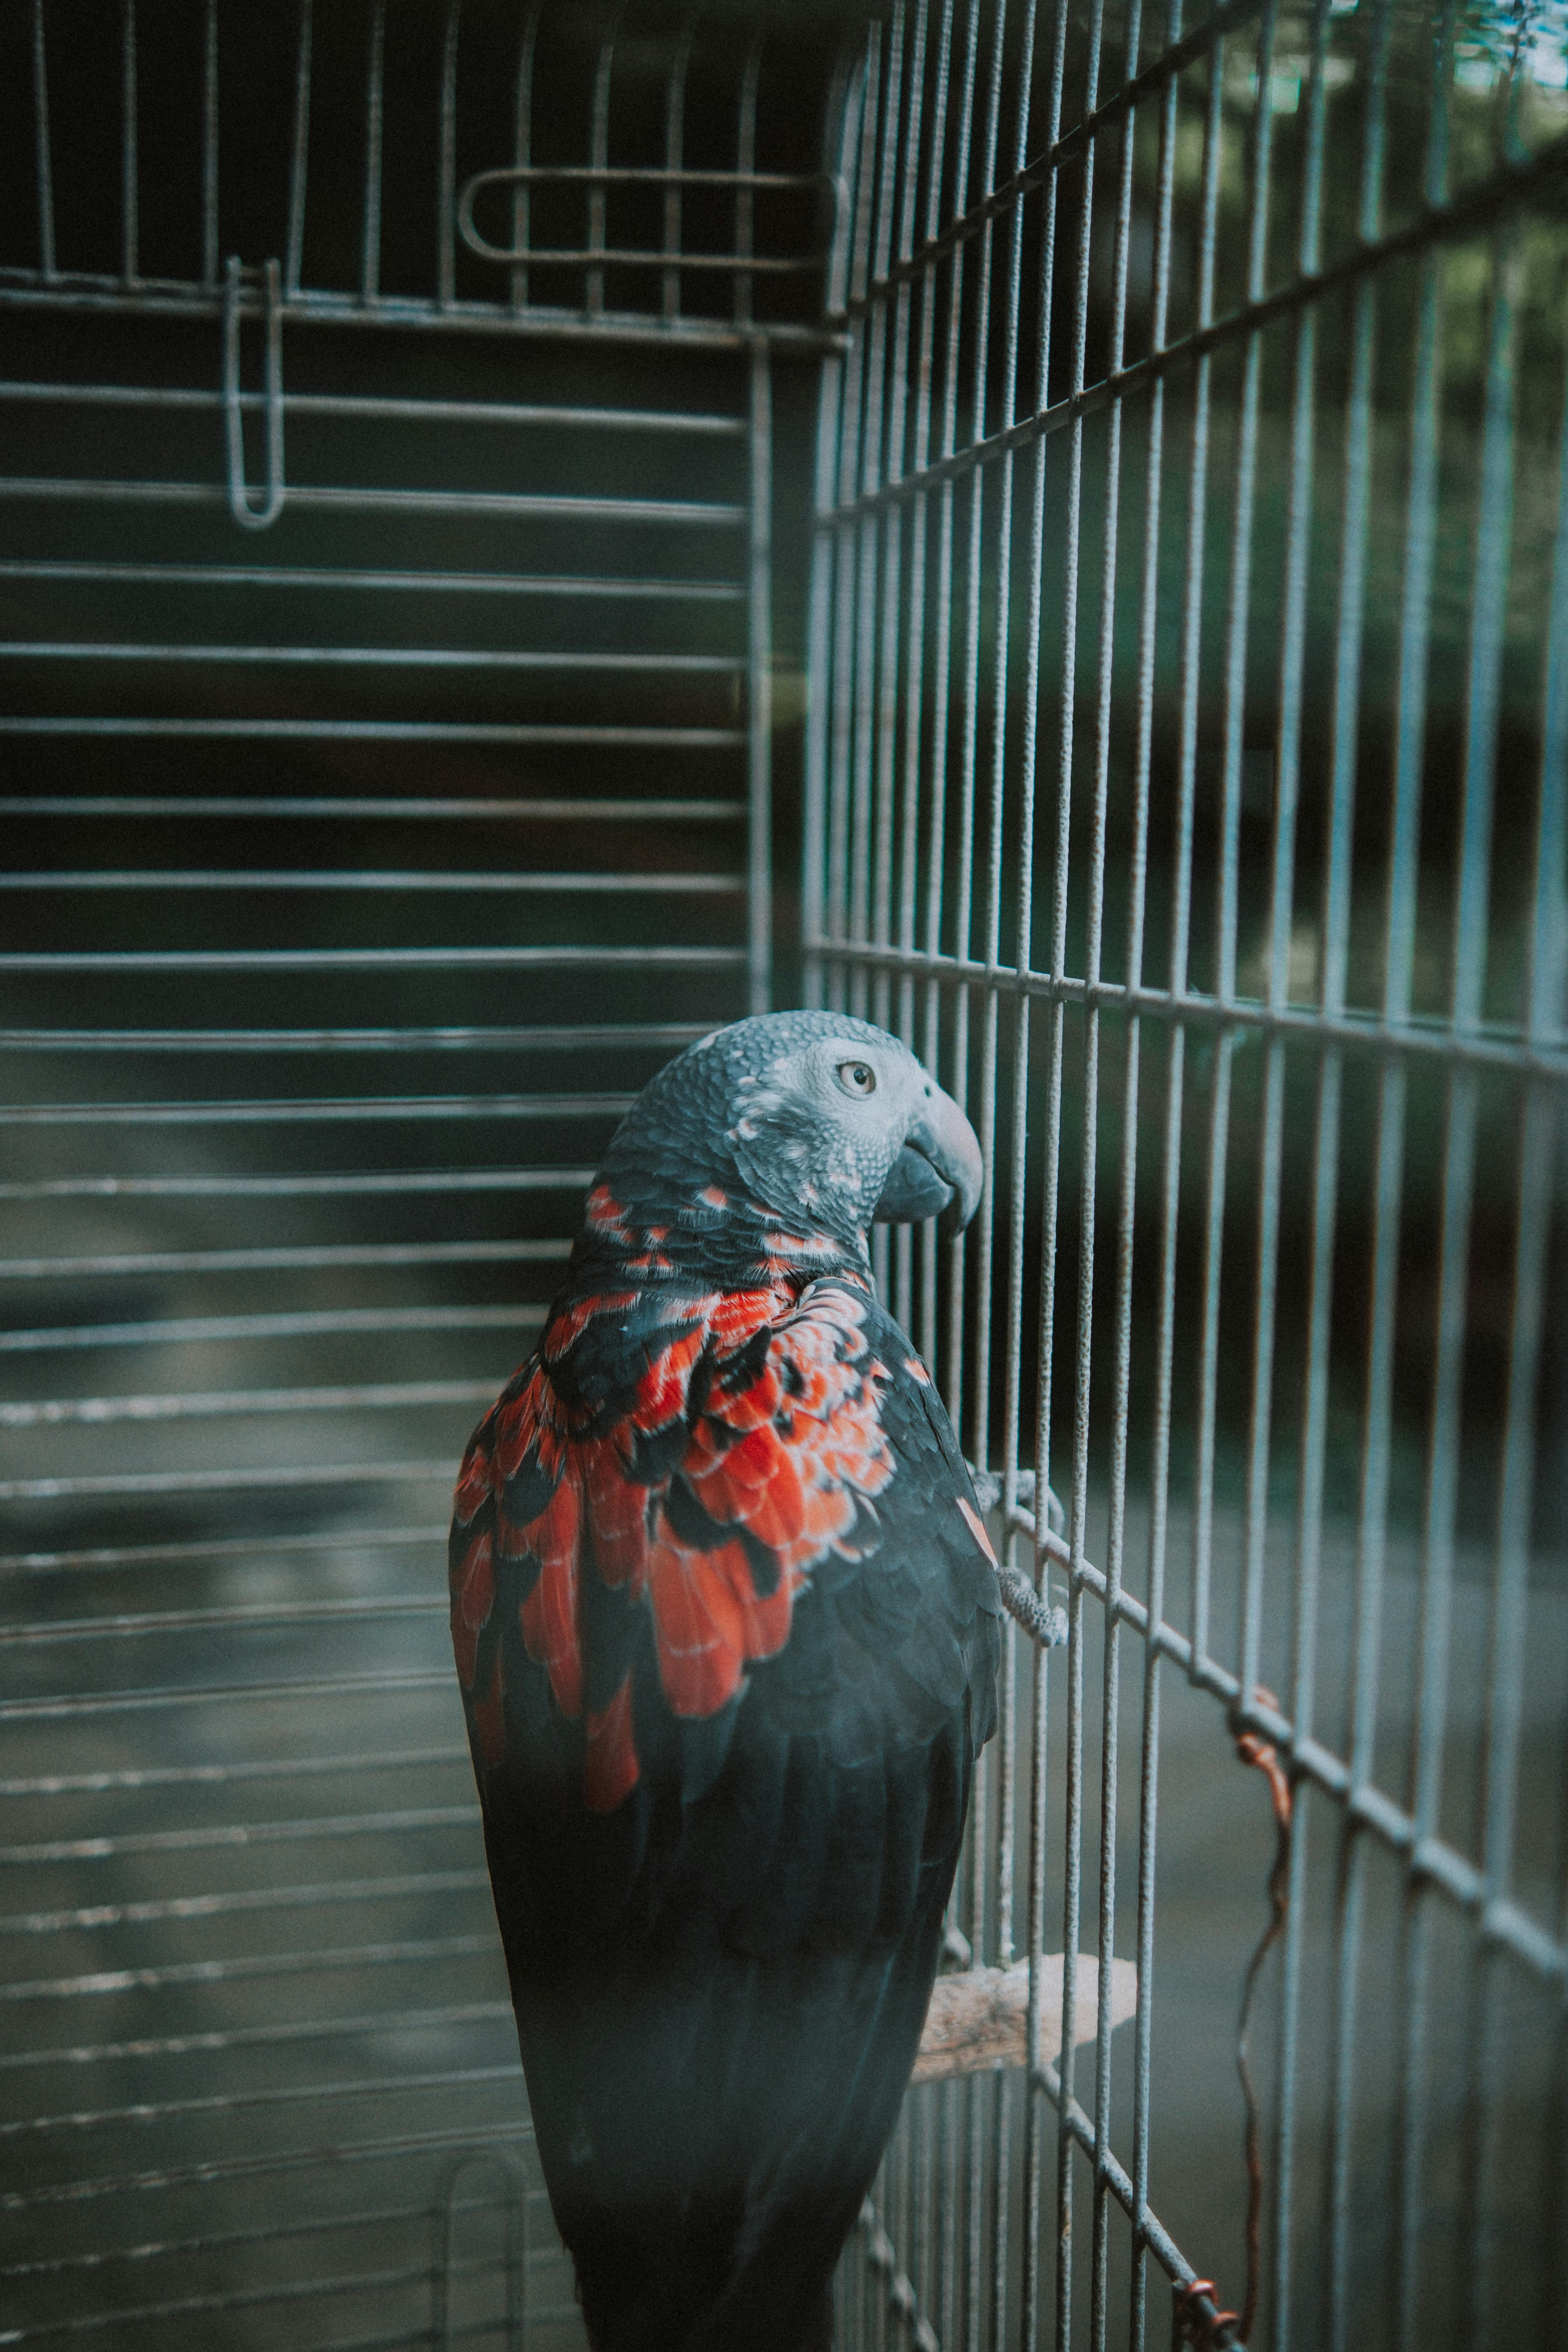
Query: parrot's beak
[[938, 1173]]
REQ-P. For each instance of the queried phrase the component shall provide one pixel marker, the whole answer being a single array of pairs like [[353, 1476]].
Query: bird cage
[[1158, 682]]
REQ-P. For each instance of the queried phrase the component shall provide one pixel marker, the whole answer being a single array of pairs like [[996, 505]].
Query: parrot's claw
[[957, 1951], [1031, 1610], [988, 1491]]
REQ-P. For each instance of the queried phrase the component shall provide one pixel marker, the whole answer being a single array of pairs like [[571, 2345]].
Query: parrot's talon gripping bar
[[990, 1486], [1043, 1622]]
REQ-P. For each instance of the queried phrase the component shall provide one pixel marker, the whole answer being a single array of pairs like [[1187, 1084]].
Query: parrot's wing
[[728, 1637]]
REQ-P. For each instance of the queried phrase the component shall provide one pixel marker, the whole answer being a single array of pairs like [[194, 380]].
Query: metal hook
[[514, 2208], [251, 518]]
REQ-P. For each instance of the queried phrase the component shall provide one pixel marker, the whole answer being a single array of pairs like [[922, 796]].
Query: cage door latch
[[248, 516]]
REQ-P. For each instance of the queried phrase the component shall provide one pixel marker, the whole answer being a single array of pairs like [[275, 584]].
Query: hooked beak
[[938, 1173]]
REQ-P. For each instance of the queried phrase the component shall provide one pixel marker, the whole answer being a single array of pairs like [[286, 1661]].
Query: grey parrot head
[[822, 1118]]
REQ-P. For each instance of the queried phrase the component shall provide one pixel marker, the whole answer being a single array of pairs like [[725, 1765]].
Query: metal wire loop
[[444, 2212], [1193, 2324], [248, 516], [523, 177]]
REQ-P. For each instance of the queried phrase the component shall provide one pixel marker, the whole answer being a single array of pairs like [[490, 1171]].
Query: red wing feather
[[700, 1612], [783, 1451], [661, 1393], [610, 1769], [549, 1612], [617, 1513], [473, 1593], [474, 1479]]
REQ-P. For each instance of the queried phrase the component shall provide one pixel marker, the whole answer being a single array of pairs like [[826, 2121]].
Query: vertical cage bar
[[1551, 2320], [984, 1223], [950, 2201], [447, 163], [989, 1772], [43, 166], [1148, 1760], [1240, 603], [674, 156], [1492, 544], [974, 2178], [759, 695], [1400, 958], [1355, 532], [970, 736], [370, 214], [1238, 620], [986, 1237], [1494, 536], [1366, 1657], [892, 637], [823, 685], [845, 534], [910, 298], [129, 167], [920, 521], [820, 612], [1539, 1120], [598, 157], [870, 585], [1493, 547], [1433, 1640], [924, 2224], [1078, 1508], [1121, 1371], [1547, 1009], [1420, 558], [746, 163], [963, 914], [209, 149], [941, 669], [299, 153], [1002, 2141], [1192, 680], [522, 148], [1039, 1687], [1416, 622], [1008, 1719], [1326, 1176]]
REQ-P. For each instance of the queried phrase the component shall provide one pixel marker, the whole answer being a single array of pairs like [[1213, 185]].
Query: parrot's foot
[[988, 1487]]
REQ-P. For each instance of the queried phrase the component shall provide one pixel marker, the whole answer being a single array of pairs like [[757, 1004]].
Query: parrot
[[726, 1622]]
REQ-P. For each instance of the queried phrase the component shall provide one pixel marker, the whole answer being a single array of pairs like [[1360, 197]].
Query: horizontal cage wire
[[440, 805]]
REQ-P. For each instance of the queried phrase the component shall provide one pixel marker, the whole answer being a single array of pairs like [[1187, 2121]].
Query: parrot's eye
[[858, 1079]]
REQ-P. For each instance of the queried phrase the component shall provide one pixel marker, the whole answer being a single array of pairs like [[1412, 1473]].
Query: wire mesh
[[1186, 778]]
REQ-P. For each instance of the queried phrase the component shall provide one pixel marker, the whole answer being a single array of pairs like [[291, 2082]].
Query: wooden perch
[[979, 2019]]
